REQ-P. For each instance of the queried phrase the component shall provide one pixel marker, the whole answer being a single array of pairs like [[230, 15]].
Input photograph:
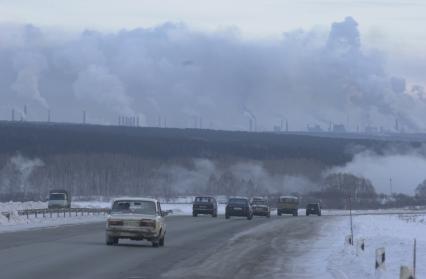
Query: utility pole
[[414, 258], [350, 215]]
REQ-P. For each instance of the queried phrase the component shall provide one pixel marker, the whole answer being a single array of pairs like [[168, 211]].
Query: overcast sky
[[263, 37], [391, 19], [396, 26]]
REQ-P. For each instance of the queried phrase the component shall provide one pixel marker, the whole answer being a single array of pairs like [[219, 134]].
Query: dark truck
[[313, 208], [204, 205], [59, 199], [239, 207]]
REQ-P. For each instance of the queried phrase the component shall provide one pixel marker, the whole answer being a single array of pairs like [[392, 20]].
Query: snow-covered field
[[20, 222], [330, 257], [17, 222]]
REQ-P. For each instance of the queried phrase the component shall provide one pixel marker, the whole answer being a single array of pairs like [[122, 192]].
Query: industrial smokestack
[[13, 114], [250, 125], [25, 112]]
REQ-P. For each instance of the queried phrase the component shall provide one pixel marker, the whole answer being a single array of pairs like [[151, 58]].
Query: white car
[[136, 219]]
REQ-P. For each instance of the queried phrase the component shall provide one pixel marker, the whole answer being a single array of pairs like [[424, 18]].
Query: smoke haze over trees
[[217, 80]]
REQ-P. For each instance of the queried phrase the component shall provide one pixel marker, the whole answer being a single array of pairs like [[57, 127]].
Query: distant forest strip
[[44, 139], [93, 160]]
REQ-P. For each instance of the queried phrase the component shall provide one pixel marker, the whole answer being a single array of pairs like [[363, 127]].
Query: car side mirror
[[166, 213]]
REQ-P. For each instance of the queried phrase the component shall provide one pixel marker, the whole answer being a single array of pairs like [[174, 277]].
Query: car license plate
[[238, 208]]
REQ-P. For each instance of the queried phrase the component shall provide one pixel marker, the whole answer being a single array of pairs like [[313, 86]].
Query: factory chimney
[[25, 112]]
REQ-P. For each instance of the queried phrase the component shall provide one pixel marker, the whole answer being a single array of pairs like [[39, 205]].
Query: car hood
[[131, 216], [260, 205]]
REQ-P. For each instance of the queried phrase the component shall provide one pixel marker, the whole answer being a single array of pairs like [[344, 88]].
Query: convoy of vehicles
[[261, 207], [313, 208], [288, 205], [204, 205], [143, 219], [59, 199], [239, 206], [136, 219]]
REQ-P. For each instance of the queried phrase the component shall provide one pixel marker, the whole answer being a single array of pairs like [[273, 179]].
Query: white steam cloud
[[405, 169], [172, 72]]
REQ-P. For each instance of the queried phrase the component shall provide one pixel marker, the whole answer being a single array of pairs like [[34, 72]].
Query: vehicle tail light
[[147, 223], [115, 223]]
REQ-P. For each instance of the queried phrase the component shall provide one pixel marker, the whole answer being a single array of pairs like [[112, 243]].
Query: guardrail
[[50, 212]]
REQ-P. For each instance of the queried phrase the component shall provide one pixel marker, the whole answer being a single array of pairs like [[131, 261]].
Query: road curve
[[201, 247]]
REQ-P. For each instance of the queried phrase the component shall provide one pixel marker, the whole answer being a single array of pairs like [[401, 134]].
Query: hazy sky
[[390, 19], [279, 57], [391, 25]]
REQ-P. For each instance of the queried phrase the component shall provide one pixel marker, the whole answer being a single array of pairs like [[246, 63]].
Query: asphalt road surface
[[202, 247]]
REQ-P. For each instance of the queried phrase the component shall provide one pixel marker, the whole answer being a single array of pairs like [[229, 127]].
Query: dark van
[[239, 207]]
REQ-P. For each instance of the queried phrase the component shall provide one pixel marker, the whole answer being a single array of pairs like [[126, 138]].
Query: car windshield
[[259, 202], [134, 207], [288, 200], [57, 196], [238, 201], [203, 199]]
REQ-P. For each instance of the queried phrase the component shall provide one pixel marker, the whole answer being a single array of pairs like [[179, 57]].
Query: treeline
[[110, 175], [47, 139]]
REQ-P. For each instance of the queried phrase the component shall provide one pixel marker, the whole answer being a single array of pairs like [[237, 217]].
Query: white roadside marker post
[[405, 273], [380, 259], [414, 258]]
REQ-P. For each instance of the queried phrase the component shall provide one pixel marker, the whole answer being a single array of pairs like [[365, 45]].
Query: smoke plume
[[397, 171], [172, 72]]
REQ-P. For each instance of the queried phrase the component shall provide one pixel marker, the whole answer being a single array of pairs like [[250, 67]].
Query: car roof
[[242, 198], [288, 197], [134, 199], [204, 197]]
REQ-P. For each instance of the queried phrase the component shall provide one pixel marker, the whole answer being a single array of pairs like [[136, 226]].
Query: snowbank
[[21, 222], [329, 257]]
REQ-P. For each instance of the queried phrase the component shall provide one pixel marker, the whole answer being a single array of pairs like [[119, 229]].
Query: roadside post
[[405, 273], [414, 258], [380, 259], [350, 216]]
